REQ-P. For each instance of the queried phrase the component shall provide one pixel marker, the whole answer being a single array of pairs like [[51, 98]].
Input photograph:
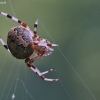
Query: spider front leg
[[16, 20], [5, 46], [29, 62], [48, 45], [35, 30]]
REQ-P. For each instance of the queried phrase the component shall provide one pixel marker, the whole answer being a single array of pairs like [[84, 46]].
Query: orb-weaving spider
[[22, 43]]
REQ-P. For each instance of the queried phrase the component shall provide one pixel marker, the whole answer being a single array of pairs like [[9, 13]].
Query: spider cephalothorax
[[22, 43]]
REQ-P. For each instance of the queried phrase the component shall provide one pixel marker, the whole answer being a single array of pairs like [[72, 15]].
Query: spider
[[22, 43]]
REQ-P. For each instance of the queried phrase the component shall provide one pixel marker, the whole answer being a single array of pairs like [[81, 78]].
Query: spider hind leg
[[5, 46], [41, 74], [29, 62]]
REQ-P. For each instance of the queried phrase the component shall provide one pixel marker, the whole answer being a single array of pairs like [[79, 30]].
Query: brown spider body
[[18, 41]]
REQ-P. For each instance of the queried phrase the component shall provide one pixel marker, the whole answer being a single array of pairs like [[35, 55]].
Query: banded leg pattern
[[35, 30], [37, 71], [5, 46], [15, 19]]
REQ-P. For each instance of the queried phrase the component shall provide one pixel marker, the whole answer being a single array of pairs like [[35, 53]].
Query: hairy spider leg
[[41, 39], [15, 19], [44, 43], [29, 61], [48, 45], [35, 30], [5, 46]]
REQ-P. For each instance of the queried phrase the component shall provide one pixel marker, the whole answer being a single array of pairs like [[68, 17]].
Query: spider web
[[26, 94]]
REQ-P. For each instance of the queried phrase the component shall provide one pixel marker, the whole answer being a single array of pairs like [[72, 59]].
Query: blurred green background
[[75, 26]]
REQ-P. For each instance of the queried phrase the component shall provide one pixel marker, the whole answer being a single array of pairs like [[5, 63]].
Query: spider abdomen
[[18, 40]]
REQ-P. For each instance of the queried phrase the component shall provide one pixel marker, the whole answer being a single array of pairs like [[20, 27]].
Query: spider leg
[[35, 30], [15, 19], [5, 46], [50, 44], [29, 61], [45, 72], [48, 50], [47, 44], [36, 70]]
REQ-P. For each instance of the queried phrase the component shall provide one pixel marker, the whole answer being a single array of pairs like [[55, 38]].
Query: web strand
[[3, 63], [25, 88], [26, 78], [7, 80], [60, 81], [17, 77], [11, 7], [14, 79], [68, 62], [64, 58], [63, 86], [18, 68]]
